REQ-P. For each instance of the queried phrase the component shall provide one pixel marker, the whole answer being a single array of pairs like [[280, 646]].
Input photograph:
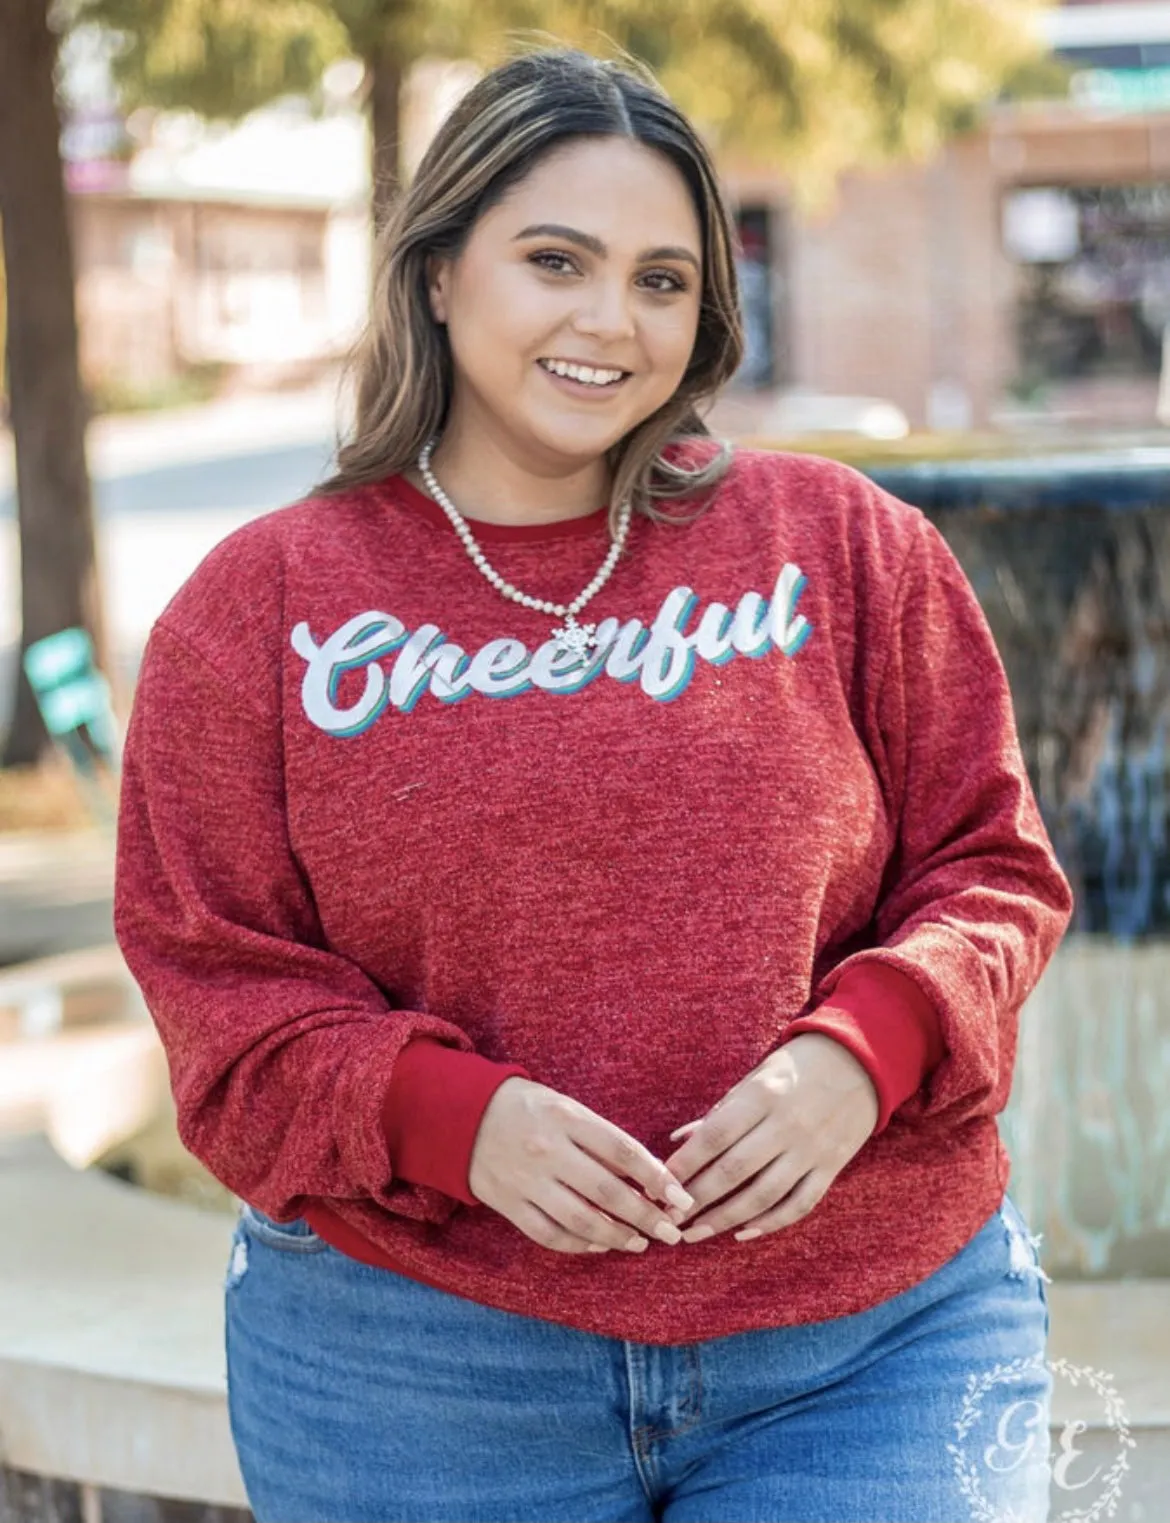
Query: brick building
[[1025, 271], [168, 284]]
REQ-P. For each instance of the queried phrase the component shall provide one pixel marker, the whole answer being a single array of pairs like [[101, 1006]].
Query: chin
[[570, 441]]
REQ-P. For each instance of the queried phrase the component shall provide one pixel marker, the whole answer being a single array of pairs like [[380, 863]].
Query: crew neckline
[[405, 492]]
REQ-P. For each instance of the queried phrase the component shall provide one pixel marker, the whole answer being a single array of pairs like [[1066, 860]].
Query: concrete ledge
[[87, 1089], [69, 989], [1120, 1329], [112, 1369], [56, 890], [1123, 1328]]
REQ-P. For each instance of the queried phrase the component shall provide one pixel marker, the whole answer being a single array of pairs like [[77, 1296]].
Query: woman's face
[[594, 259]]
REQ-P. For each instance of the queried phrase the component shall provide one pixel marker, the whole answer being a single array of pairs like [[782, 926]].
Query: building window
[[1093, 278], [754, 268]]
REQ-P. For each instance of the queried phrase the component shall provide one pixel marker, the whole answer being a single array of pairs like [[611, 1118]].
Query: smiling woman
[[564, 339], [576, 256], [563, 1002]]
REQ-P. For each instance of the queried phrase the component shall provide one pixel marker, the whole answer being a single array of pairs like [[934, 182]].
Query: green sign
[[1122, 89]]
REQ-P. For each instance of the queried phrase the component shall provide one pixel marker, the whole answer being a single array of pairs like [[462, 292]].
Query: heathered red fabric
[[363, 807]]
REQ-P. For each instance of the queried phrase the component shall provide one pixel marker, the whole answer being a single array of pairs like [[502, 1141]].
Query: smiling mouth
[[593, 377]]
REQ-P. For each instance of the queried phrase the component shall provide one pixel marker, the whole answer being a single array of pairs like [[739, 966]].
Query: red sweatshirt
[[380, 849]]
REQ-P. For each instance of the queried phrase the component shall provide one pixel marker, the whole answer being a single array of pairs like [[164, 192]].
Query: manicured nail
[[598, 1248], [637, 1244], [748, 1232], [697, 1234], [667, 1233], [677, 1196]]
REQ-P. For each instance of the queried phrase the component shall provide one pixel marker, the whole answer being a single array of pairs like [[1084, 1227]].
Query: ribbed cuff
[[432, 1110], [887, 1023]]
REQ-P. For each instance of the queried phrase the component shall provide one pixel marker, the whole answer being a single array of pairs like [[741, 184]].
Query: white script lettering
[[661, 658]]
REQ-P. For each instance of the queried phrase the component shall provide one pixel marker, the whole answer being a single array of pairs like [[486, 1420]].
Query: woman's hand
[[789, 1127], [558, 1171]]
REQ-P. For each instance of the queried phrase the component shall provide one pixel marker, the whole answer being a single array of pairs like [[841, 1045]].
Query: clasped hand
[[769, 1150]]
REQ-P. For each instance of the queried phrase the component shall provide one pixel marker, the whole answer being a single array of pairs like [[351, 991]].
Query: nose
[[605, 313]]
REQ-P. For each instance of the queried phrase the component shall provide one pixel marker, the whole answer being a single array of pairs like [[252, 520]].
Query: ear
[[438, 272]]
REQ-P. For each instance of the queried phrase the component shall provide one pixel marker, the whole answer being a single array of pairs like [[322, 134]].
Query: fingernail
[[667, 1233], [748, 1232], [697, 1234], [677, 1196], [637, 1244], [598, 1248]]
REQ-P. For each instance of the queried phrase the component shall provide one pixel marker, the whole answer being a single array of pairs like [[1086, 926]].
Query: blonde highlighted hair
[[509, 120]]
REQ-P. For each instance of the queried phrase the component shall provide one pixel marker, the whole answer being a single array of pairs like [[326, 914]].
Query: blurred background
[[953, 222]]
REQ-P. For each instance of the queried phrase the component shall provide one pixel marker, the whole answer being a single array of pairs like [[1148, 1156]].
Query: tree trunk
[[58, 579], [384, 73]]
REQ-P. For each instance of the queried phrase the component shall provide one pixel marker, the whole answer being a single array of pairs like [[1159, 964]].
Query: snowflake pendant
[[574, 639]]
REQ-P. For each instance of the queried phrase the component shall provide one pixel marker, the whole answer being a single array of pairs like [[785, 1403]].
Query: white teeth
[[584, 373]]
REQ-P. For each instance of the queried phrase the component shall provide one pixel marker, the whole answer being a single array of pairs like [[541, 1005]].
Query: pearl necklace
[[571, 638]]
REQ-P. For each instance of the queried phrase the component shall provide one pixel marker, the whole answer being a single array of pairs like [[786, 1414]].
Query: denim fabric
[[356, 1393]]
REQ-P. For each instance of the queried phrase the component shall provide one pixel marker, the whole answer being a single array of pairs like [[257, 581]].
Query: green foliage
[[1044, 78], [219, 58], [813, 87], [809, 87], [194, 384], [852, 83]]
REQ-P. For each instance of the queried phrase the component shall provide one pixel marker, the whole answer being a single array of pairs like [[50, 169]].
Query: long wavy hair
[[401, 369]]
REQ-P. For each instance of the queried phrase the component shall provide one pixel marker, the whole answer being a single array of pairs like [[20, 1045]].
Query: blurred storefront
[[171, 284], [240, 250], [1023, 275], [233, 250]]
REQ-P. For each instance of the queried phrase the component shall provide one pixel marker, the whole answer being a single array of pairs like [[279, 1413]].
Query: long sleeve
[[281, 1052], [973, 902]]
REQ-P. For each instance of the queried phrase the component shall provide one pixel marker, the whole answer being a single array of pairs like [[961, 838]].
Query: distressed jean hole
[[238, 1265], [1024, 1253]]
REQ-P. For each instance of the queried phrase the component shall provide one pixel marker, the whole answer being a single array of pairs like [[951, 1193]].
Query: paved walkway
[[131, 442], [149, 543]]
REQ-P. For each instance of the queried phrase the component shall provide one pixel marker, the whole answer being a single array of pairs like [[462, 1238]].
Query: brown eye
[[673, 282], [552, 260]]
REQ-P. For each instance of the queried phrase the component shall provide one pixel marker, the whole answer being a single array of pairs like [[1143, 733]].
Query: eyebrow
[[595, 245]]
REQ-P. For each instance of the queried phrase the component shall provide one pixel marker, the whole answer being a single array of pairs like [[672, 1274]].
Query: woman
[[719, 918]]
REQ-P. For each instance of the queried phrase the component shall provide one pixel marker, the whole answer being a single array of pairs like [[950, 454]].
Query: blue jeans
[[357, 1393]]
